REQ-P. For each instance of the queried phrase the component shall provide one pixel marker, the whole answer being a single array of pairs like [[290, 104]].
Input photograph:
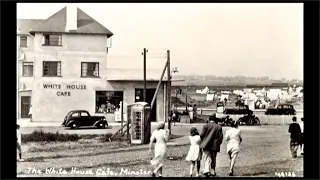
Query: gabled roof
[[25, 25], [85, 24], [136, 75]]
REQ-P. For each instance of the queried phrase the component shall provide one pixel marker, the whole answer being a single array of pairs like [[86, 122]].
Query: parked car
[[249, 119], [282, 109], [241, 109], [223, 121], [77, 118], [240, 102]]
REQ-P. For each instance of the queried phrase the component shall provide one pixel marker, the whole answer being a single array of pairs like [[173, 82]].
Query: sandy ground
[[264, 152]]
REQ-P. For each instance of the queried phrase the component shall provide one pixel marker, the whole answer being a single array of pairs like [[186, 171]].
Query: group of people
[[204, 146], [296, 137]]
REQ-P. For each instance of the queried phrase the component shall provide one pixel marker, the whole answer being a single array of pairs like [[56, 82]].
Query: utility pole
[[144, 75], [169, 88]]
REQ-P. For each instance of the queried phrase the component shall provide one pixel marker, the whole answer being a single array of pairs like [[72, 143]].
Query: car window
[[84, 114], [285, 106], [75, 115]]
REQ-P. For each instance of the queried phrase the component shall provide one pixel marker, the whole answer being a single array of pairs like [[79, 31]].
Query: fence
[[264, 119]]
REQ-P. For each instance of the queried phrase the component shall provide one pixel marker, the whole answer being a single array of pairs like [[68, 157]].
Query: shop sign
[[64, 89]]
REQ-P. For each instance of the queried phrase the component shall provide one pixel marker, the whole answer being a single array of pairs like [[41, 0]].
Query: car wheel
[[240, 121], [101, 126], [74, 126], [256, 121]]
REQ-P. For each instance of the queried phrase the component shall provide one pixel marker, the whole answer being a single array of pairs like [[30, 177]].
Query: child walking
[[194, 152], [233, 135]]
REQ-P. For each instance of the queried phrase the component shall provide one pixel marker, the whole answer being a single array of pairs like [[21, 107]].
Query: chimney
[[71, 24]]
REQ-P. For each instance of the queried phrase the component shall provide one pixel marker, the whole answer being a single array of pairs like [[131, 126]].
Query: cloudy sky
[[206, 39]]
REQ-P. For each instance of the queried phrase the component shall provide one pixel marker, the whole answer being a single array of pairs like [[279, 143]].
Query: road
[[264, 151], [264, 119]]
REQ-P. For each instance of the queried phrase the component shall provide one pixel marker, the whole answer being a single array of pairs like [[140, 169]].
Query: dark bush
[[41, 136]]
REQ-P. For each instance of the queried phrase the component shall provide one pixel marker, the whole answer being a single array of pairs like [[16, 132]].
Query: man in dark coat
[[295, 131], [211, 139]]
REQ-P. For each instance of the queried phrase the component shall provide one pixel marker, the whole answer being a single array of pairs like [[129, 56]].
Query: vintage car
[[240, 102], [282, 109], [241, 109], [77, 118]]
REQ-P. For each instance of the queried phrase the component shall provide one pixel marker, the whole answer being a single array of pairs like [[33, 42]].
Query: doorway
[[25, 106], [150, 94]]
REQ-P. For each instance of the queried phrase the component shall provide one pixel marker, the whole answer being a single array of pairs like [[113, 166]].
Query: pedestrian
[[301, 124], [30, 113], [194, 155], [295, 131], [211, 139], [174, 117], [190, 111], [160, 149], [19, 143], [233, 135], [194, 112]]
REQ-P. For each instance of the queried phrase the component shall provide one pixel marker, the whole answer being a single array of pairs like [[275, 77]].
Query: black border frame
[[311, 95]]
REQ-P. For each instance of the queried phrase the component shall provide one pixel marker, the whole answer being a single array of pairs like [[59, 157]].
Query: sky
[[222, 39]]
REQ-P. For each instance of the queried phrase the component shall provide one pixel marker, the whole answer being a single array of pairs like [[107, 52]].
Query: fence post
[[200, 111]]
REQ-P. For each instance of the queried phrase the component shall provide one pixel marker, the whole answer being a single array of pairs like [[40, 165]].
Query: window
[[84, 114], [75, 115], [52, 40], [108, 101], [89, 69], [23, 41], [51, 68], [27, 69]]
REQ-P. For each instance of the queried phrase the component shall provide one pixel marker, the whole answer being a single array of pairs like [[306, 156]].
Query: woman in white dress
[[161, 136], [233, 135], [194, 150]]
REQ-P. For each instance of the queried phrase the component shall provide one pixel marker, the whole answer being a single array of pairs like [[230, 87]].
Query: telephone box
[[140, 123]]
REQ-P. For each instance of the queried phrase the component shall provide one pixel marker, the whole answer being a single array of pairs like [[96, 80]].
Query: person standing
[[301, 124], [19, 142], [194, 112], [160, 149], [194, 151], [233, 135], [190, 111], [30, 113], [295, 131], [211, 139]]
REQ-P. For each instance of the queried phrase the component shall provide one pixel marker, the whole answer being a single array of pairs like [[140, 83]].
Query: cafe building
[[58, 72]]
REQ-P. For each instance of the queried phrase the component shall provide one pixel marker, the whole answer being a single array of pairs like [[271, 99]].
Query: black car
[[77, 118], [282, 109], [241, 109]]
